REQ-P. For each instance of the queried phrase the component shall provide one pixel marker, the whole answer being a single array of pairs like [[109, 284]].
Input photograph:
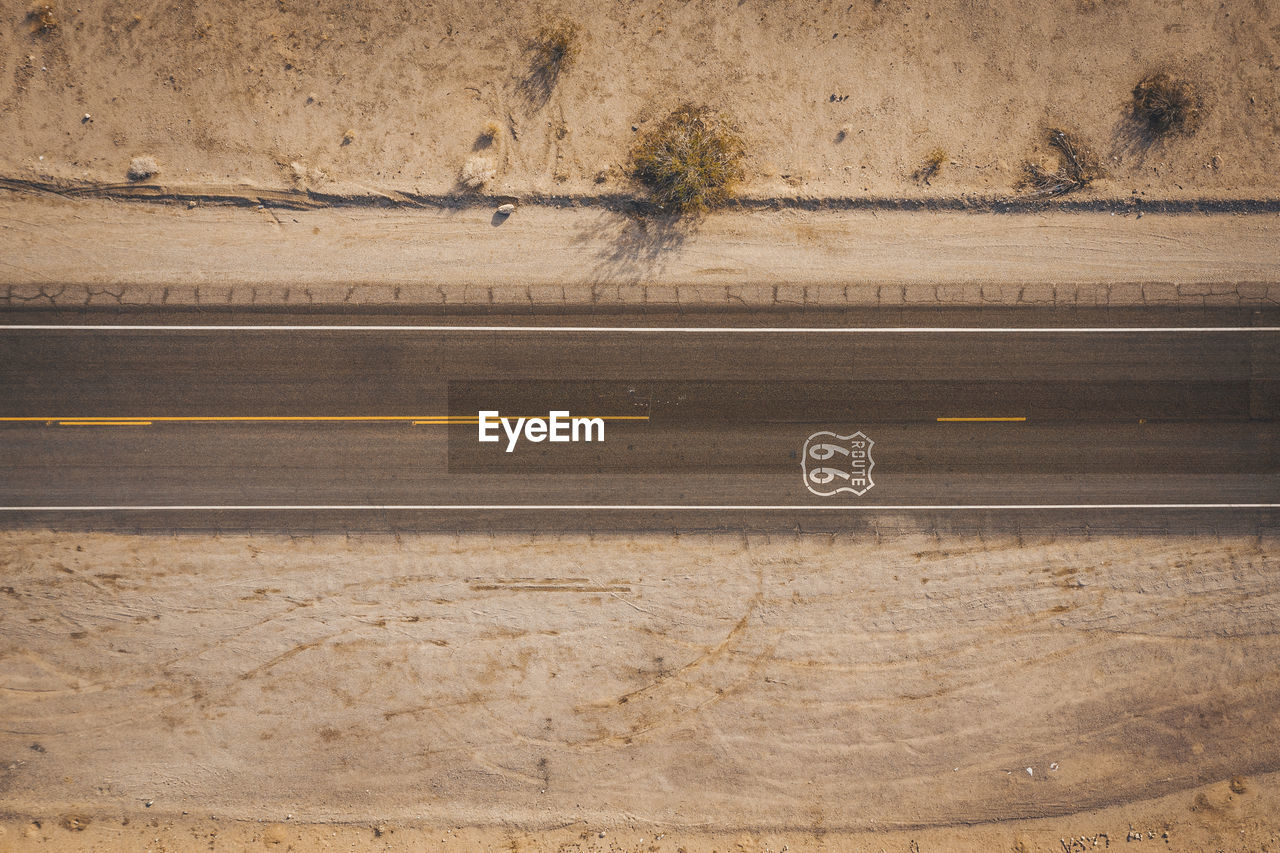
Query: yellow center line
[[104, 423], [959, 420]]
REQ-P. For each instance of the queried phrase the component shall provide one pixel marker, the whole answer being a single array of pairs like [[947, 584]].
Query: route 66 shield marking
[[837, 463]]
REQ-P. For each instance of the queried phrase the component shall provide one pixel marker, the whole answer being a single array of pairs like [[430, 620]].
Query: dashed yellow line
[[104, 423], [966, 420]]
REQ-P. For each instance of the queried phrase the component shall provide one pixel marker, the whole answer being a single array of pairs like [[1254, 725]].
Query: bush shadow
[[635, 244]]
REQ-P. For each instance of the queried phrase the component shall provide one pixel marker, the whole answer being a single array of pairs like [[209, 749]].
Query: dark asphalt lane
[[1111, 418]]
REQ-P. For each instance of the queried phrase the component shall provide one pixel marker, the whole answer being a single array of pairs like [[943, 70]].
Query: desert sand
[[783, 687], [834, 99]]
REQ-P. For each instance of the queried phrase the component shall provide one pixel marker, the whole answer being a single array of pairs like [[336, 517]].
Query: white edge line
[[638, 507], [659, 329]]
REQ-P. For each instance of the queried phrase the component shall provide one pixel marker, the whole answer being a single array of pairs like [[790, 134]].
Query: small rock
[[312, 98], [75, 823], [348, 137], [1030, 772], [86, 118], [506, 209]]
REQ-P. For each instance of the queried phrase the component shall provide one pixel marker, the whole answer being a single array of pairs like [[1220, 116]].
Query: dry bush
[[477, 172], [691, 162], [1076, 168], [488, 135], [556, 46], [142, 167], [1164, 104], [931, 167], [553, 50], [43, 19]]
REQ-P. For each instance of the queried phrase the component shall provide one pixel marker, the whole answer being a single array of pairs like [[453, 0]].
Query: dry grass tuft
[[691, 162], [1163, 104], [556, 46], [931, 167], [477, 172], [43, 19], [142, 167], [1076, 168], [489, 134], [553, 51]]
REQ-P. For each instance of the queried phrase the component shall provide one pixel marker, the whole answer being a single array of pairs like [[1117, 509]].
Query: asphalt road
[[1127, 422]]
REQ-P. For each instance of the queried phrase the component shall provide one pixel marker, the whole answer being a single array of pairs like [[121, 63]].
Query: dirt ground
[[835, 99], [797, 689], [79, 252]]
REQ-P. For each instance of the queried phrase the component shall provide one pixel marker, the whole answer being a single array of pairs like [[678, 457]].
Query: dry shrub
[[556, 46], [553, 50], [43, 19], [1163, 104], [691, 162], [1076, 168], [477, 172], [142, 167], [488, 135], [931, 167]]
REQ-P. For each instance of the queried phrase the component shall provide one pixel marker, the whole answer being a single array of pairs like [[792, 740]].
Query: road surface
[[705, 426]]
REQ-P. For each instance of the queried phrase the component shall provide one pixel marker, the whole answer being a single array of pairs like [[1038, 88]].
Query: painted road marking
[[104, 423], [962, 420], [636, 507], [837, 463], [696, 330]]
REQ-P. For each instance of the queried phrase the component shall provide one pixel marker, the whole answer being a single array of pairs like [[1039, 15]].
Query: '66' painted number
[[838, 463]]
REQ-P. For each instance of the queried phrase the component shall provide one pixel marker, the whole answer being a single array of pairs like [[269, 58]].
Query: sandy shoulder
[[761, 685], [102, 252]]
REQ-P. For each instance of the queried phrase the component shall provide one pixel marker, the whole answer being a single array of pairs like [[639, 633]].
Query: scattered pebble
[[506, 209]]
